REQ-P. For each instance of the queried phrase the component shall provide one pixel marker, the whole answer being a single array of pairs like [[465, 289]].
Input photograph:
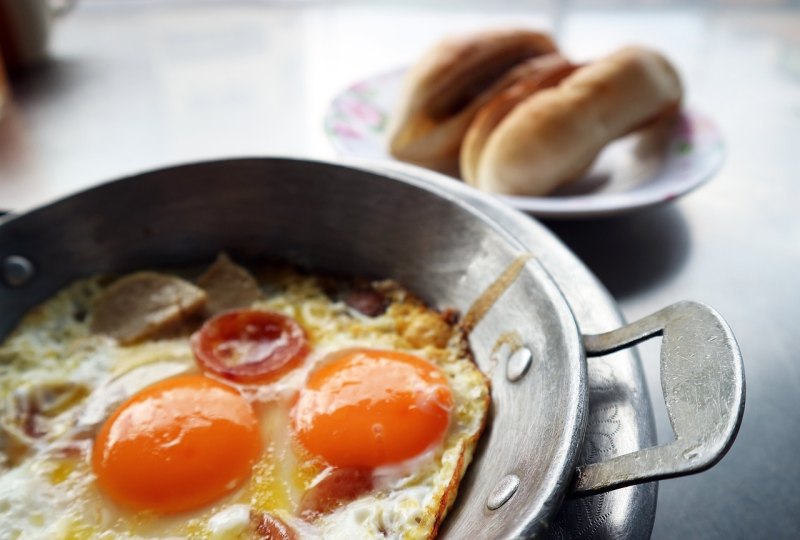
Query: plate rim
[[556, 208]]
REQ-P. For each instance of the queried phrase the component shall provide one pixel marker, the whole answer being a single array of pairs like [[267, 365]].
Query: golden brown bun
[[446, 88], [534, 75], [553, 136]]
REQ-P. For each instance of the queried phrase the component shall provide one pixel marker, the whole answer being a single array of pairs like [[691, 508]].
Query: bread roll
[[444, 90], [553, 136], [532, 76]]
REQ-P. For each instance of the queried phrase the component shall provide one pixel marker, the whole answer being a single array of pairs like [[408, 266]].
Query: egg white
[[50, 492]]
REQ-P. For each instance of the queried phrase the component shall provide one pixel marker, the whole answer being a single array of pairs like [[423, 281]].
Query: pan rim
[[573, 426]]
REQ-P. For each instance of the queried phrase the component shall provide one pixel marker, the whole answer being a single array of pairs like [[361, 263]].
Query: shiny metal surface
[[438, 245], [17, 271], [518, 363], [694, 335], [702, 376], [248, 208], [503, 491], [620, 417]]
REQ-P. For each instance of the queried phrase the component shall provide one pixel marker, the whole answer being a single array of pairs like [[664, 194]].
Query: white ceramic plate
[[635, 172]]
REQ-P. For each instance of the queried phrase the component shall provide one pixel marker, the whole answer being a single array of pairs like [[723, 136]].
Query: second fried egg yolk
[[368, 408], [177, 445]]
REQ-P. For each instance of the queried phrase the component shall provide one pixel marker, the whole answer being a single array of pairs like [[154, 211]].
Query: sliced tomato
[[249, 345]]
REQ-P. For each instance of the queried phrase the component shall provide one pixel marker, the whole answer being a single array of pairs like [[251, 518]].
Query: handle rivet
[[17, 270], [518, 363], [502, 492]]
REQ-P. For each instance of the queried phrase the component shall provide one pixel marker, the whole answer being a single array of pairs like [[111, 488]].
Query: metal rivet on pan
[[518, 363], [17, 271], [502, 492]]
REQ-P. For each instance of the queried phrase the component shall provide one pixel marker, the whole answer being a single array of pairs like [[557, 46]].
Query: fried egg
[[263, 404]]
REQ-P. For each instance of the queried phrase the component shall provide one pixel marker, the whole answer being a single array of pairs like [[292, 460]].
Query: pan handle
[[702, 377]]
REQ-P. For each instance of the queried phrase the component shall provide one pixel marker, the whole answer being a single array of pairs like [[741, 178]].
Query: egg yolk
[[367, 408], [176, 445]]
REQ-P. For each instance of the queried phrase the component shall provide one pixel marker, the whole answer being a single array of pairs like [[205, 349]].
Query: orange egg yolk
[[367, 408], [177, 445]]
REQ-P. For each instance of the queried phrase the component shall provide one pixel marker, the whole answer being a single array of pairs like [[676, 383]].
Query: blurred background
[[99, 89], [134, 84]]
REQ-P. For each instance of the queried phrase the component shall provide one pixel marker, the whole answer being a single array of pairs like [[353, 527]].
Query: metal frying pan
[[346, 220]]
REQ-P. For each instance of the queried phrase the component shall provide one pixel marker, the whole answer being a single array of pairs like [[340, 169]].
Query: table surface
[[135, 85]]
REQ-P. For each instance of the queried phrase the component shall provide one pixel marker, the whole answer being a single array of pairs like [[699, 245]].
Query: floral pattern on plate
[[654, 166]]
